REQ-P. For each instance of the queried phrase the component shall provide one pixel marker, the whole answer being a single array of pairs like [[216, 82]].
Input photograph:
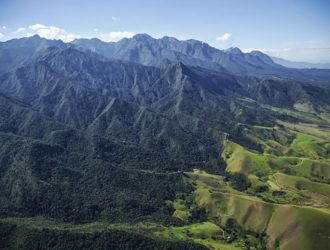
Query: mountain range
[[112, 133]]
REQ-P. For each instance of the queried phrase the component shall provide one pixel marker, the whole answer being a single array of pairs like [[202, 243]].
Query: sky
[[297, 30]]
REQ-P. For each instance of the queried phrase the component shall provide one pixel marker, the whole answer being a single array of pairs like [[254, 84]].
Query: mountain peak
[[258, 53], [234, 50], [169, 39], [35, 37], [94, 39], [267, 59], [142, 37]]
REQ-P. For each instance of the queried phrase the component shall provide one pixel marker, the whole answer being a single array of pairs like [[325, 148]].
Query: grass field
[[181, 210], [307, 155], [288, 226], [205, 233]]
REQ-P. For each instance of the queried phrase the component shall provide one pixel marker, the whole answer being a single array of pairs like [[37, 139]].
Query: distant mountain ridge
[[300, 65], [148, 51], [144, 49]]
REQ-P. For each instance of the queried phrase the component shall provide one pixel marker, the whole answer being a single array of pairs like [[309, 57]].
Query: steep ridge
[[144, 49], [80, 90], [17, 52]]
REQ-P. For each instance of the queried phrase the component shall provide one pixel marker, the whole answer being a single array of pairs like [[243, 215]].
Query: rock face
[[82, 136]]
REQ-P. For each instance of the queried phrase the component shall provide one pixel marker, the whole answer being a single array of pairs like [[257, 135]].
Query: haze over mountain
[[300, 65], [114, 132]]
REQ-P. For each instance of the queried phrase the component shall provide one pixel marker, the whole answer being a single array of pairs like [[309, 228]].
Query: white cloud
[[19, 30], [37, 26], [223, 38], [116, 36], [51, 32], [4, 27], [69, 37], [1, 36], [114, 18]]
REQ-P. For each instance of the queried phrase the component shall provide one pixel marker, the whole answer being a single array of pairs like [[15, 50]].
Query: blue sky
[[293, 29]]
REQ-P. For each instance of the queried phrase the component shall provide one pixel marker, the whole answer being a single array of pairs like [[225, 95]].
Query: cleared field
[[307, 155], [318, 193], [205, 233], [287, 226]]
